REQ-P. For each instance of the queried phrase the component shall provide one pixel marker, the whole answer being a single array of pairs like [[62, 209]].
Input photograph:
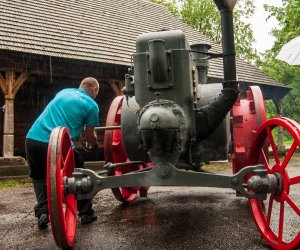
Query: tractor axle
[[85, 183]]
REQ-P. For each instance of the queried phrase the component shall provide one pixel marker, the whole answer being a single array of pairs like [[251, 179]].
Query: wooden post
[[279, 109], [10, 86]]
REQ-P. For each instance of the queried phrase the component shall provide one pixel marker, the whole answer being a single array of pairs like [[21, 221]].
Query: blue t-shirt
[[71, 108]]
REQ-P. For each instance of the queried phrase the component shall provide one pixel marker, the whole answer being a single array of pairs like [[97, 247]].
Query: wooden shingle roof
[[97, 30]]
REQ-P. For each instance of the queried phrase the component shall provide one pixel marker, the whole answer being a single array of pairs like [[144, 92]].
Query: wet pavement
[[170, 218]]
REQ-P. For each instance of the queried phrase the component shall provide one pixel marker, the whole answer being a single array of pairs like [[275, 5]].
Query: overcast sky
[[261, 27]]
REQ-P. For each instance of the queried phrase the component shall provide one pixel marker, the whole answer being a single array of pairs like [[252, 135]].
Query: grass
[[15, 183], [217, 166]]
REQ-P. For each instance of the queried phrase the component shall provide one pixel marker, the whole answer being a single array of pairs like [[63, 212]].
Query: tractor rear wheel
[[62, 207], [114, 152], [278, 216]]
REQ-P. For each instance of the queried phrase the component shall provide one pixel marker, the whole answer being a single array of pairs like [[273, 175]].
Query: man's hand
[[91, 135], [94, 147], [88, 147]]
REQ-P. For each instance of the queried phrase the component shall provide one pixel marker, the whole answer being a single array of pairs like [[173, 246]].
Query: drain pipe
[[210, 116]]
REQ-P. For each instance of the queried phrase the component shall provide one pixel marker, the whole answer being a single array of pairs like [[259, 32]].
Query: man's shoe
[[43, 221], [88, 218]]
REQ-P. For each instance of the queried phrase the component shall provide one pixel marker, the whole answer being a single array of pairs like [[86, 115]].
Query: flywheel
[[114, 152], [247, 115]]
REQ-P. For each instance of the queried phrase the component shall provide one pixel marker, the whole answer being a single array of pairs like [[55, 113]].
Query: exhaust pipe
[[210, 116], [225, 7]]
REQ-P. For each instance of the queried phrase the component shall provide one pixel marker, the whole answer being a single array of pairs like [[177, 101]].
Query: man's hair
[[89, 82]]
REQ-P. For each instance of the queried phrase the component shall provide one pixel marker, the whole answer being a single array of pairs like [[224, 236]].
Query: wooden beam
[[10, 79], [18, 83], [2, 83]]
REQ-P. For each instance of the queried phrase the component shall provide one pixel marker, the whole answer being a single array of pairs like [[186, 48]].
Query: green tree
[[204, 16], [288, 17], [172, 6]]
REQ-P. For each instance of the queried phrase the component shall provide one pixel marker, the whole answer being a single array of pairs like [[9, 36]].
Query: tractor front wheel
[[278, 218], [62, 207]]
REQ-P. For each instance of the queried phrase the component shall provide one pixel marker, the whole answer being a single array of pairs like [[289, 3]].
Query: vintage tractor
[[167, 124]]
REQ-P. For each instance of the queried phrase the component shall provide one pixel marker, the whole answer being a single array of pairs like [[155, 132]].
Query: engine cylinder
[[162, 128]]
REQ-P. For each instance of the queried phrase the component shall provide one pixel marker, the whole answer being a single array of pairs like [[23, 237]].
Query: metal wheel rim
[[62, 208], [262, 218]]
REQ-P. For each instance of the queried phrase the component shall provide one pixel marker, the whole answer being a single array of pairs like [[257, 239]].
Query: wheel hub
[[262, 182], [283, 187]]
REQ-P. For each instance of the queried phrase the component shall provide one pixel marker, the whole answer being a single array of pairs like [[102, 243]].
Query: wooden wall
[[47, 77]]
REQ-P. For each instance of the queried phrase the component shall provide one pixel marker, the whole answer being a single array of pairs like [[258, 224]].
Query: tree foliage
[[204, 16], [170, 4], [288, 17]]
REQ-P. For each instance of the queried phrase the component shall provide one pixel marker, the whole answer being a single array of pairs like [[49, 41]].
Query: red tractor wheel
[[248, 114], [275, 216], [62, 207], [114, 152]]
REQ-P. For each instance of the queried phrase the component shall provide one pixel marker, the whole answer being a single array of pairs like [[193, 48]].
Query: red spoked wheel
[[247, 114], [115, 153], [278, 218], [62, 207]]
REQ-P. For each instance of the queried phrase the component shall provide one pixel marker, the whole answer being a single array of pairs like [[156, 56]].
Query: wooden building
[[48, 45]]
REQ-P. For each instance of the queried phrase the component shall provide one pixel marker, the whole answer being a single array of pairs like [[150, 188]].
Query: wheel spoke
[[270, 209], [68, 157], [271, 140], [125, 192], [288, 156], [294, 180], [292, 204], [263, 155], [62, 173], [63, 168], [71, 206], [281, 222]]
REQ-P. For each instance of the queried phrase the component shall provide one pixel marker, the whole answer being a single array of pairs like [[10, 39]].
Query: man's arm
[[91, 136]]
